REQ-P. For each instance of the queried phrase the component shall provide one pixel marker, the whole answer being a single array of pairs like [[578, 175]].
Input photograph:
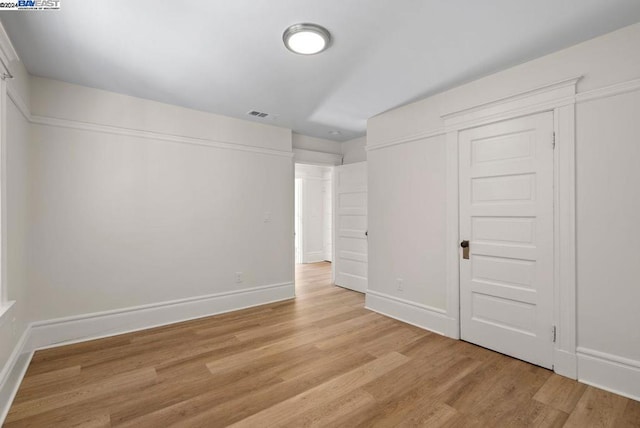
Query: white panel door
[[298, 220], [350, 243], [327, 195], [506, 214], [312, 221]]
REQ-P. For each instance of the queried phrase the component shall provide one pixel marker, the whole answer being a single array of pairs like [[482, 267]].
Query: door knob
[[465, 249]]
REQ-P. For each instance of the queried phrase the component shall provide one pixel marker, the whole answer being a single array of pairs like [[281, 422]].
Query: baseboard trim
[[64, 331], [423, 316], [609, 372], [315, 257], [565, 364], [12, 374]]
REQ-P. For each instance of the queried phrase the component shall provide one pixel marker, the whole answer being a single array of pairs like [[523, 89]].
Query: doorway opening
[[313, 215]]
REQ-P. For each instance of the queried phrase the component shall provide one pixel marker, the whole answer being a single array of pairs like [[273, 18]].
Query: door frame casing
[[559, 98]]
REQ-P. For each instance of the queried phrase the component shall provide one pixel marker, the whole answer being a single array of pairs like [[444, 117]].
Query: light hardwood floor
[[319, 360]]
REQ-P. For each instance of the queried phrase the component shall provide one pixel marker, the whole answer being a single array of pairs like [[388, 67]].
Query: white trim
[[314, 157], [423, 316], [565, 363], [452, 231], [152, 135], [4, 309], [534, 100], [11, 361], [313, 256], [19, 102], [62, 331], [505, 104], [7, 50], [408, 139], [4, 297], [565, 282], [609, 372], [12, 374], [609, 91], [558, 97]]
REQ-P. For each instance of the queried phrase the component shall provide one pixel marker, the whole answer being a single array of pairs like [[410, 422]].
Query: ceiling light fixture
[[306, 39]]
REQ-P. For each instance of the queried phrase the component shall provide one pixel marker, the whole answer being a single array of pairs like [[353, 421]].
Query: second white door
[[506, 215], [350, 244]]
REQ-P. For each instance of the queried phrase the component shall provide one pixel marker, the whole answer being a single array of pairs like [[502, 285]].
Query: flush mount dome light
[[306, 39]]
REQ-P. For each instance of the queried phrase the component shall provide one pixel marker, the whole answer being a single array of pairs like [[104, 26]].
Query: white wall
[[313, 181], [353, 151], [406, 221], [122, 219], [408, 177], [608, 198]]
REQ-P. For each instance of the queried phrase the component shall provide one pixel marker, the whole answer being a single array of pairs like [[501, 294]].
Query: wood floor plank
[[119, 383], [399, 396], [536, 414], [597, 408], [515, 386], [436, 415], [39, 384], [335, 412], [561, 393], [292, 341], [205, 412], [631, 415], [83, 419], [286, 410], [321, 360]]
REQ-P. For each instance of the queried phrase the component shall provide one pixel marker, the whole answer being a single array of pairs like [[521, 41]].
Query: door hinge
[[554, 140], [554, 332]]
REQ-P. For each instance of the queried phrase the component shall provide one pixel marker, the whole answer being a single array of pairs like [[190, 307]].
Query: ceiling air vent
[[256, 113]]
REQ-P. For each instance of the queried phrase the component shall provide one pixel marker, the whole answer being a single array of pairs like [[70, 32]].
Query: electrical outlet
[[267, 216], [239, 277], [400, 284]]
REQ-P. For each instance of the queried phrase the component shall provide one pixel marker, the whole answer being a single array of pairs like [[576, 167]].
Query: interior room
[[320, 213]]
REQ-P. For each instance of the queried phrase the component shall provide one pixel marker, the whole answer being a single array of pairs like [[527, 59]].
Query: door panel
[[506, 212], [327, 194], [351, 226]]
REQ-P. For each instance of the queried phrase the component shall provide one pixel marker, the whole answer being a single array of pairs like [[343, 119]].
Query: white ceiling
[[227, 57]]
